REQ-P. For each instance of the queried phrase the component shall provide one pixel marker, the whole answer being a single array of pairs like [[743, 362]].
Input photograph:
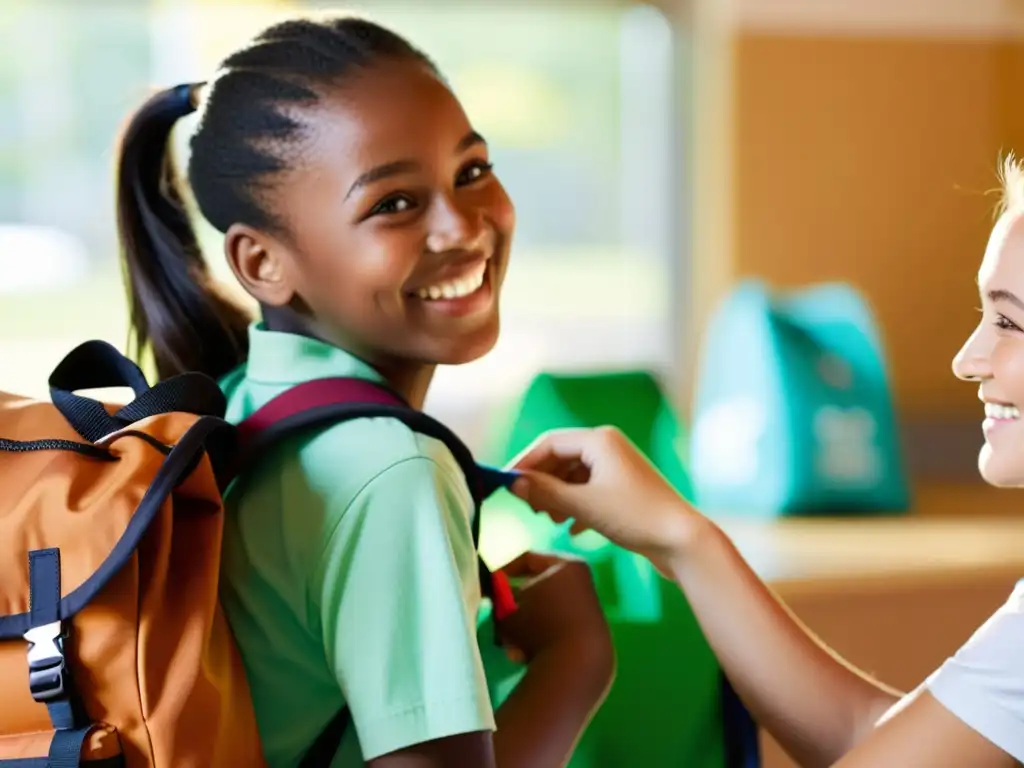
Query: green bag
[[793, 412], [634, 402], [666, 707]]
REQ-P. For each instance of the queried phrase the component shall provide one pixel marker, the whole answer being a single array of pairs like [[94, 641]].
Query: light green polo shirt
[[349, 573]]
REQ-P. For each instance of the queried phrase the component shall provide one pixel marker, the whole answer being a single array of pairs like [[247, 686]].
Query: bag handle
[[97, 364]]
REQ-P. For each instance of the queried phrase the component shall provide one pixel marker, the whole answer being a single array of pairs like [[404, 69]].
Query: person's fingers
[[577, 474], [525, 487], [545, 493], [577, 528], [559, 444], [558, 467], [549, 464], [563, 469], [523, 565], [531, 564], [537, 454]]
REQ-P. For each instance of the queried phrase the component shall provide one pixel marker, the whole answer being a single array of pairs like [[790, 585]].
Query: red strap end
[[502, 597]]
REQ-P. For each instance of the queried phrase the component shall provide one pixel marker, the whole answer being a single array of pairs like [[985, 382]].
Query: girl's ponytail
[[176, 309], [253, 124]]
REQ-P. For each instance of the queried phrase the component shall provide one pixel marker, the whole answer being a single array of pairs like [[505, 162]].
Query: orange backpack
[[114, 649]]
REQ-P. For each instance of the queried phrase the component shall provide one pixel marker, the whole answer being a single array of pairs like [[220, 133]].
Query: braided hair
[[253, 125]]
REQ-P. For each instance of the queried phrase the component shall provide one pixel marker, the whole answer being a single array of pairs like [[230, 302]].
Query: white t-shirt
[[983, 683]]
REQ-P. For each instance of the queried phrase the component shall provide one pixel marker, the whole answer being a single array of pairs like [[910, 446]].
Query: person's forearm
[[814, 704], [543, 718]]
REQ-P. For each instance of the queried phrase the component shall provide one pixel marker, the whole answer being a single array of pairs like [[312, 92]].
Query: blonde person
[[969, 713]]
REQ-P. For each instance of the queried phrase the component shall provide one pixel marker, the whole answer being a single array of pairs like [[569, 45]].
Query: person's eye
[[1004, 323], [392, 204], [474, 171]]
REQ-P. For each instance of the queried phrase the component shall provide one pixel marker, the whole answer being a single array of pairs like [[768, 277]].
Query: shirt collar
[[288, 358]]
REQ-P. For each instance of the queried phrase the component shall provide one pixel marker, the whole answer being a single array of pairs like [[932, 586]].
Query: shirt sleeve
[[398, 592], [983, 683]]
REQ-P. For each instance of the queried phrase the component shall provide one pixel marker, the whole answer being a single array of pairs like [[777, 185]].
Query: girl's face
[[994, 354], [399, 230]]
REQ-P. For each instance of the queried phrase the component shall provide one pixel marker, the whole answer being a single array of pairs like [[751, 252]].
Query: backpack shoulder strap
[[321, 754], [323, 402]]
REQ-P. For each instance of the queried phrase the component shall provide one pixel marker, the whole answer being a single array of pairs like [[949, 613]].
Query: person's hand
[[558, 612], [601, 481]]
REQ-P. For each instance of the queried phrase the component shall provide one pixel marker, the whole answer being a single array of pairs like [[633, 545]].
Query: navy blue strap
[[62, 714], [98, 364], [321, 754], [325, 402], [88, 366], [48, 674], [491, 479], [742, 745], [66, 748], [43, 586]]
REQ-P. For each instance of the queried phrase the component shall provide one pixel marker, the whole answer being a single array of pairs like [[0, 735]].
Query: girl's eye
[[402, 203], [1005, 324], [474, 172], [394, 204]]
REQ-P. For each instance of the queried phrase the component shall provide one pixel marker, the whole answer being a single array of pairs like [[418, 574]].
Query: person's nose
[[973, 361], [455, 226]]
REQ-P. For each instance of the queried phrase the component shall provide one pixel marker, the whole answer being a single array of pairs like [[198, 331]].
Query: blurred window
[[577, 100]]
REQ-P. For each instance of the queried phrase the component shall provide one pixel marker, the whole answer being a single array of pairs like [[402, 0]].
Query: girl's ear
[[261, 264]]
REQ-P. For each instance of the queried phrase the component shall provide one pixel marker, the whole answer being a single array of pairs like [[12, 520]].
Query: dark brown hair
[[250, 127]]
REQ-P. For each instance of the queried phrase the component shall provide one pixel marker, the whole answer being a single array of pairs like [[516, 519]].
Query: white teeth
[[1001, 412], [456, 289]]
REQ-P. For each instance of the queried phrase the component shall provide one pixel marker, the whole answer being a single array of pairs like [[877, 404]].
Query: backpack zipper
[[25, 446]]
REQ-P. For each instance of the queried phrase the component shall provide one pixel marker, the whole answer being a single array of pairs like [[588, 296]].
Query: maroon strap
[[324, 393], [317, 393]]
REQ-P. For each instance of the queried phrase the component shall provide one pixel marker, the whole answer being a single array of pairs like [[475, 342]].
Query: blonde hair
[[1011, 181]]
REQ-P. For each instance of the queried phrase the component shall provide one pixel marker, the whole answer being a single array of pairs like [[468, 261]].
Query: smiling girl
[[360, 210]]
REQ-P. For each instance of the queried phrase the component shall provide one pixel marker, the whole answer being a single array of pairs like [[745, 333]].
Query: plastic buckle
[[47, 672]]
